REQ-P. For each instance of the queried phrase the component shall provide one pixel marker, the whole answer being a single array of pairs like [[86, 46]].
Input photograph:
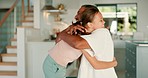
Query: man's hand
[[58, 39], [73, 30]]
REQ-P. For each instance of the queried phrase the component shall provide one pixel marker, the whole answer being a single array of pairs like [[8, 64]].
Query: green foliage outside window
[[132, 17], [132, 13]]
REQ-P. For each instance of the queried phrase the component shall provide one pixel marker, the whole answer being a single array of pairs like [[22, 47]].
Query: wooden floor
[[8, 73]]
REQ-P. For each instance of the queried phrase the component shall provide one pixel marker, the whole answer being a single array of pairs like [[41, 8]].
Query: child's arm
[[96, 64]]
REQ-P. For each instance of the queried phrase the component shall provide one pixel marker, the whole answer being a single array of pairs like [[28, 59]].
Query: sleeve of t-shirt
[[96, 40]]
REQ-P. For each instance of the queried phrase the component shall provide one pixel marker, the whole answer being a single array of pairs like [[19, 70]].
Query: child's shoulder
[[102, 30]]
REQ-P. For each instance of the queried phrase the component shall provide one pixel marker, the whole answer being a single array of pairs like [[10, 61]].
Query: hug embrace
[[88, 38]]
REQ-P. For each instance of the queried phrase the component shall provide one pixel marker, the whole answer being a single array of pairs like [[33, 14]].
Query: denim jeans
[[52, 69]]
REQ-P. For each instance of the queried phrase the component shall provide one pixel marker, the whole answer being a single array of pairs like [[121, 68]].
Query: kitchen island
[[136, 59]]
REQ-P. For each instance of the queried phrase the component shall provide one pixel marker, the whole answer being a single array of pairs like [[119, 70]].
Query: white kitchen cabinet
[[35, 55]]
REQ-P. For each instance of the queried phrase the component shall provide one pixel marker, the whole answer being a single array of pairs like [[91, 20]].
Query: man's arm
[[73, 40]]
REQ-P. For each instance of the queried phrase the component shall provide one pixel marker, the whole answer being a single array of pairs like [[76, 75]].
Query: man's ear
[[89, 24]]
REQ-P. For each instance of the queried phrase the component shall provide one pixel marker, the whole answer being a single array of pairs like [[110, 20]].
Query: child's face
[[97, 23]]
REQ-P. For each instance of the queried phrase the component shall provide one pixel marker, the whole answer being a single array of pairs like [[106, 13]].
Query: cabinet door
[[130, 60], [142, 63]]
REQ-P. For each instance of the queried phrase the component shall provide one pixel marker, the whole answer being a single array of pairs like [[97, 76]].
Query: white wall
[[71, 6], [6, 3], [142, 16]]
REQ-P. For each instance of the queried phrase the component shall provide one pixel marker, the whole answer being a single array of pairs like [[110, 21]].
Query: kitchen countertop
[[139, 42]]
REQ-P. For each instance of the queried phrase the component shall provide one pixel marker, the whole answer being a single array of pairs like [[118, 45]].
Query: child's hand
[[115, 62]]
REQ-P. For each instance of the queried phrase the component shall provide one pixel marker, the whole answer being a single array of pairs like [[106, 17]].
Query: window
[[121, 18]]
